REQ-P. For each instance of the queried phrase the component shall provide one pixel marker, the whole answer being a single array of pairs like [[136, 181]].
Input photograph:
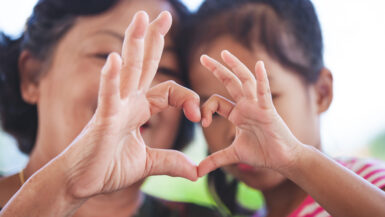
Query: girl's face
[[68, 90], [294, 100]]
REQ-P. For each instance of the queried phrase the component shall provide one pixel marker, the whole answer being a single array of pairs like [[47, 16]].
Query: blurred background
[[354, 37]]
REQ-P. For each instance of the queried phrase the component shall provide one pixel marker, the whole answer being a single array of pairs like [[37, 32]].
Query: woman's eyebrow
[[111, 33], [170, 49], [163, 70], [168, 71]]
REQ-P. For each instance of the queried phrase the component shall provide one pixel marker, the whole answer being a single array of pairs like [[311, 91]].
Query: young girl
[[269, 134]]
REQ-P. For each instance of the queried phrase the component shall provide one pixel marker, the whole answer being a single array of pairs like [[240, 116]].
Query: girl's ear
[[29, 73], [324, 90]]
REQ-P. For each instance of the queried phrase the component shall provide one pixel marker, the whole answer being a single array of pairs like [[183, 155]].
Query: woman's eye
[[170, 74], [101, 55], [216, 115], [274, 96]]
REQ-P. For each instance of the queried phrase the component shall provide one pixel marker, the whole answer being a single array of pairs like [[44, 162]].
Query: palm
[[261, 135], [128, 140], [110, 153]]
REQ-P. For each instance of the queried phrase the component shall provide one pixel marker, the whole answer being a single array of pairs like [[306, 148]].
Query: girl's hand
[[110, 153], [262, 138]]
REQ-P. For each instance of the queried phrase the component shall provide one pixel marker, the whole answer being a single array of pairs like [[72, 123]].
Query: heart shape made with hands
[[110, 153]]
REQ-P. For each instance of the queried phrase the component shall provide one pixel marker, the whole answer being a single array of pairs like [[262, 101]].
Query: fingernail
[[262, 63], [166, 26], [142, 13], [139, 30], [226, 52]]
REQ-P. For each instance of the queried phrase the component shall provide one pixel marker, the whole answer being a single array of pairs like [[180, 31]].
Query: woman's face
[[293, 99], [69, 88]]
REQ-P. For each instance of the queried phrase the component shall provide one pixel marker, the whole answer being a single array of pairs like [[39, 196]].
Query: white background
[[354, 36]]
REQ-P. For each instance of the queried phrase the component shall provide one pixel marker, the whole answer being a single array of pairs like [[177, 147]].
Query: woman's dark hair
[[286, 30], [49, 22]]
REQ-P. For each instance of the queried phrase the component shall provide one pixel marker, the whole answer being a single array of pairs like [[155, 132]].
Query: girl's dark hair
[[286, 30], [49, 22]]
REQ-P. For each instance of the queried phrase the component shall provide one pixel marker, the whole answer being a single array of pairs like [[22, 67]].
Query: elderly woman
[[87, 127]]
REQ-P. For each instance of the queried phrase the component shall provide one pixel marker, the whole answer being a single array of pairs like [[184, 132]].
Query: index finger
[[243, 73], [229, 80], [170, 94]]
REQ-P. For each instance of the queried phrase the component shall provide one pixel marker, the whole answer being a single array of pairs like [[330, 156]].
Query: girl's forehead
[[205, 83], [248, 56]]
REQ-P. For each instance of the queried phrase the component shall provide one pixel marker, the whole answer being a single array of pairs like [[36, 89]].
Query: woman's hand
[[262, 138], [110, 153]]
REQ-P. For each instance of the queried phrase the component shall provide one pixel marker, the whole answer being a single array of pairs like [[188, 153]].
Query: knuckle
[[215, 97], [196, 96], [171, 83], [226, 80], [132, 65]]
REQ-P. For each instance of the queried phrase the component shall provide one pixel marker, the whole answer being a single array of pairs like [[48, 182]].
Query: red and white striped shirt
[[371, 170]]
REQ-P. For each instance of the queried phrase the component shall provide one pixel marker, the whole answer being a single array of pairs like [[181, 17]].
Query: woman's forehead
[[120, 15], [114, 22]]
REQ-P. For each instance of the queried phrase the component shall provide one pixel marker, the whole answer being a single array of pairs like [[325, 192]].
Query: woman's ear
[[29, 72], [324, 89]]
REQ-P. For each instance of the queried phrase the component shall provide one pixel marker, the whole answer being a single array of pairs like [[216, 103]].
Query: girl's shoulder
[[370, 169]]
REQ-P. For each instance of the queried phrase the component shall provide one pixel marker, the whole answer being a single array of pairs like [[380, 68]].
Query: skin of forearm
[[44, 194], [338, 190]]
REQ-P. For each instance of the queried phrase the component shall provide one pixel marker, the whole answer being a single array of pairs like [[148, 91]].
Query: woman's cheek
[[164, 128], [90, 86]]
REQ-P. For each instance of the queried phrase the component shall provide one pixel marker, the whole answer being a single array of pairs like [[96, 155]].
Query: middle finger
[[154, 43]]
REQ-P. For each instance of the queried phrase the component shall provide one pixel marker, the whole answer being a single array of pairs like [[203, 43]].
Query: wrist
[[67, 166], [299, 160], [292, 157], [44, 194], [60, 170]]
